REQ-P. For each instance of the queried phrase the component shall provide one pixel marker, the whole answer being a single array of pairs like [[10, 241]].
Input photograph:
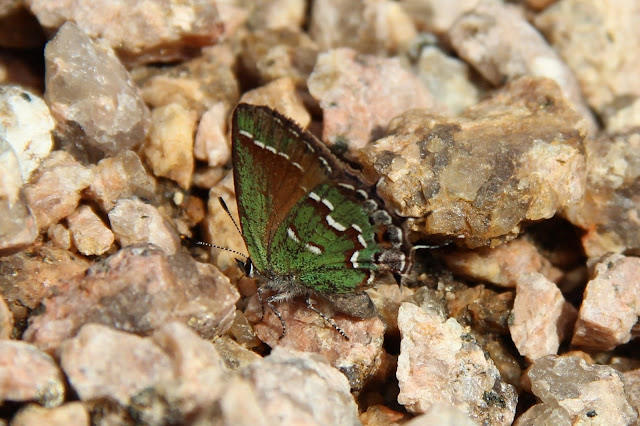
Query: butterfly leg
[[261, 300], [326, 318], [270, 302]]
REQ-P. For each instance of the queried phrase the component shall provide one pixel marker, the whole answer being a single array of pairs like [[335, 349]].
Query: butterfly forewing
[[274, 166]]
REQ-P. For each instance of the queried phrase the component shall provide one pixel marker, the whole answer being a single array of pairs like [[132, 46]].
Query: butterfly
[[313, 228]]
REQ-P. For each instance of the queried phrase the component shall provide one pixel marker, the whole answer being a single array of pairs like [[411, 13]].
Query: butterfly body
[[312, 227]]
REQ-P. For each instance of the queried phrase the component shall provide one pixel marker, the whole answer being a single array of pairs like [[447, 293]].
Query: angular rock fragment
[[610, 210], [104, 363], [541, 318], [375, 90], [611, 304], [92, 96], [438, 365], [478, 178], [137, 290], [358, 358], [134, 222], [55, 188], [90, 235], [211, 143], [169, 148], [152, 31], [27, 374], [573, 391], [121, 177], [169, 377]]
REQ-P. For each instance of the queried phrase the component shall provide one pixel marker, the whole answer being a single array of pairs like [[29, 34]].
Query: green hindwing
[[327, 241]]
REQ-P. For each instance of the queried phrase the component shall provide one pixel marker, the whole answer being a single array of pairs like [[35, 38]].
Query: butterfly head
[[246, 266]]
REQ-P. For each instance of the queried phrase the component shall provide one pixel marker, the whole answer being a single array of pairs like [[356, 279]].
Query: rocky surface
[[598, 42], [348, 84], [28, 374], [570, 391], [141, 32], [358, 358], [541, 318], [91, 95], [609, 211], [501, 266], [521, 153], [502, 134], [437, 364], [137, 289], [611, 304]]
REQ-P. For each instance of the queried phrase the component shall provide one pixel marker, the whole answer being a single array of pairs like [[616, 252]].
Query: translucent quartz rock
[[91, 95]]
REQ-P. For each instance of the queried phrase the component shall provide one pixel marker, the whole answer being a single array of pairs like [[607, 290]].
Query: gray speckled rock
[[582, 391], [138, 289], [314, 393], [437, 364]]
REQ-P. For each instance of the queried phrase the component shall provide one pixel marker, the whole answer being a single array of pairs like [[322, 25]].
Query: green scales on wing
[[311, 226]]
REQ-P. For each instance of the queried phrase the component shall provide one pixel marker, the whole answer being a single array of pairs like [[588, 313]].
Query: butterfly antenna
[[226, 209], [202, 243]]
